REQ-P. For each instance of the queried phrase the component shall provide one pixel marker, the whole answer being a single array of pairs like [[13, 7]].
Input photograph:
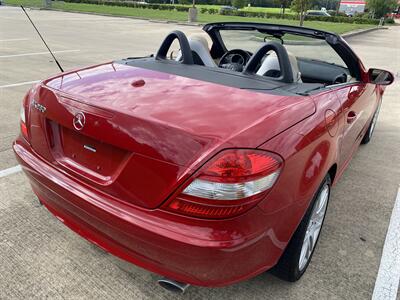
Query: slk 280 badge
[[39, 106]]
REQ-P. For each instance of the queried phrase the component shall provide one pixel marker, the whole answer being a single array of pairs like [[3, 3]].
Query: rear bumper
[[205, 253]]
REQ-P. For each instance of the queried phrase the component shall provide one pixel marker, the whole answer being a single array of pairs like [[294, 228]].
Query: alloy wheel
[[373, 123], [314, 226]]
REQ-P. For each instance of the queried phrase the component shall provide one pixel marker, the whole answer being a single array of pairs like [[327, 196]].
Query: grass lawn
[[275, 10], [182, 16]]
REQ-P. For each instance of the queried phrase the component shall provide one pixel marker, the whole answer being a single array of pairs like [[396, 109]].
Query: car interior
[[270, 67], [304, 70]]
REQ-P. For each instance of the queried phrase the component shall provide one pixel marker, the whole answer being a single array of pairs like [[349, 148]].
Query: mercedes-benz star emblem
[[79, 121]]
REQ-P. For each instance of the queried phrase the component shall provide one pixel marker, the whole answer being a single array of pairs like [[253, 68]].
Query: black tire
[[287, 267], [368, 135]]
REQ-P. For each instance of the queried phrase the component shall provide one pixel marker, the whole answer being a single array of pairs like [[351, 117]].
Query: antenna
[[55, 59]]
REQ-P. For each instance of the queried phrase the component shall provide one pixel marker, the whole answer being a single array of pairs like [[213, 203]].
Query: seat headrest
[[200, 38], [295, 67], [201, 52], [270, 66]]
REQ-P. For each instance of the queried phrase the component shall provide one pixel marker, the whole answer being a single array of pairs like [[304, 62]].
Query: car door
[[358, 103]]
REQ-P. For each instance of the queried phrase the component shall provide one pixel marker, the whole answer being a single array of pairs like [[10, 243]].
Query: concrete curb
[[362, 31]]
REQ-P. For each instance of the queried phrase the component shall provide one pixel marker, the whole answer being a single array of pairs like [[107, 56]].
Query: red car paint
[[151, 137]]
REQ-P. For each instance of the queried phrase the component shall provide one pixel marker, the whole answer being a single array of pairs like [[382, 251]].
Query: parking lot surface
[[41, 258]]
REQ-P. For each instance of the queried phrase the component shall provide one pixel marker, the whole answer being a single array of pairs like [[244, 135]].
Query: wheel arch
[[332, 172]]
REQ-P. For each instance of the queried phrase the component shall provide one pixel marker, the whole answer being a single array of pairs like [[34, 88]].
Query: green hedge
[[336, 19], [257, 14], [240, 13], [340, 19]]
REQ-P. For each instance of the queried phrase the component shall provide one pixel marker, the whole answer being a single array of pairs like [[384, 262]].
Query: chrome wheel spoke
[[373, 124], [303, 255], [314, 226], [310, 247]]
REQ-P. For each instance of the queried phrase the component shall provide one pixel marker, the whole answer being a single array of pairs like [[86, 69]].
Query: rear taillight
[[25, 110], [231, 183], [24, 129]]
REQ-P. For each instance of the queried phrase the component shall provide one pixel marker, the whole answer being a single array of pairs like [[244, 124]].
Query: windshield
[[300, 46]]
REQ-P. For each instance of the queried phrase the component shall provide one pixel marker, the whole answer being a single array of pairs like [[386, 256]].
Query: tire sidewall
[[287, 267], [306, 220], [371, 128]]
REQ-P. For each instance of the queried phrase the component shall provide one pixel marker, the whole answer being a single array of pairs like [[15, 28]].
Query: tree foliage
[[239, 3], [328, 4], [256, 3], [381, 7], [301, 6]]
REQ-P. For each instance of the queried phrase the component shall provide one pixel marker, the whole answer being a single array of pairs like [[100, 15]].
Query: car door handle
[[351, 117]]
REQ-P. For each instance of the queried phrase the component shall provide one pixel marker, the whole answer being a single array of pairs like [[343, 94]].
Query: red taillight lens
[[240, 166], [231, 183], [24, 129]]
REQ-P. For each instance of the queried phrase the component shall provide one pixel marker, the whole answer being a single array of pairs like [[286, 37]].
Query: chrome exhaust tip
[[173, 286]]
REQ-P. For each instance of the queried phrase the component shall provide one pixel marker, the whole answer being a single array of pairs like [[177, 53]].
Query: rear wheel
[[368, 135], [298, 253]]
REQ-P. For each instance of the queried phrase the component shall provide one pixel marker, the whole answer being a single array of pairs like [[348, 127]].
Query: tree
[[192, 13], [284, 4], [239, 3], [381, 7], [301, 6]]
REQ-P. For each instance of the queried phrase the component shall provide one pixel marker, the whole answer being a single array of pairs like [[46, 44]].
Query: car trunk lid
[[145, 131]]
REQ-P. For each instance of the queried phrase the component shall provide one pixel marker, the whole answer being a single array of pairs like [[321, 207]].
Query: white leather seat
[[199, 46], [271, 65]]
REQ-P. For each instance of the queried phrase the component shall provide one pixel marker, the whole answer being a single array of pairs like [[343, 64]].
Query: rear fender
[[309, 151]]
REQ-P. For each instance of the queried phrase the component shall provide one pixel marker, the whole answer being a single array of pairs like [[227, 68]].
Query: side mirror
[[381, 77]]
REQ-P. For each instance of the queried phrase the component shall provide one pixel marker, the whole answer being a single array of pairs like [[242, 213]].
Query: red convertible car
[[209, 163]]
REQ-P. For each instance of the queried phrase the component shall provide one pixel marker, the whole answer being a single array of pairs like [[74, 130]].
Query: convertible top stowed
[[222, 76]]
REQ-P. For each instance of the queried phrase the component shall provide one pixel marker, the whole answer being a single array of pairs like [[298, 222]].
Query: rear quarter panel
[[309, 149]]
